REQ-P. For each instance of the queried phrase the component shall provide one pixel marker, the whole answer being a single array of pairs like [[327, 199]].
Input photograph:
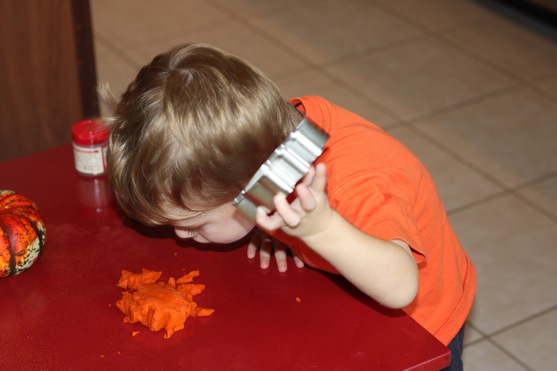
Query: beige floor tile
[[511, 137], [417, 78], [485, 356], [471, 335], [131, 22], [533, 342], [438, 14], [544, 194], [512, 247], [548, 84], [253, 7], [327, 33], [509, 45], [231, 36], [456, 183], [313, 82]]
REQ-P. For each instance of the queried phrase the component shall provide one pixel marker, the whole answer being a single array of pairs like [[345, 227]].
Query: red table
[[60, 314]]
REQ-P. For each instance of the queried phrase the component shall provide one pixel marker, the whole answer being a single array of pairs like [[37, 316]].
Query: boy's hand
[[309, 213], [268, 246]]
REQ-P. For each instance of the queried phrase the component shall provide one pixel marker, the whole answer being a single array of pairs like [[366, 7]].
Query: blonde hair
[[190, 131]]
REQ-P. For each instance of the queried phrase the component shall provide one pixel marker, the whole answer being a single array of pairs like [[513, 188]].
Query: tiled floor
[[470, 87]]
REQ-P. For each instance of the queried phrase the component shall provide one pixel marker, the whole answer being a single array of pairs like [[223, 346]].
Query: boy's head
[[190, 131]]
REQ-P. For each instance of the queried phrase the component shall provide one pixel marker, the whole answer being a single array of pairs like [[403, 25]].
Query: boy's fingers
[[280, 256], [252, 250], [299, 262], [269, 223], [253, 245], [265, 250], [290, 217], [320, 178], [308, 178], [307, 200]]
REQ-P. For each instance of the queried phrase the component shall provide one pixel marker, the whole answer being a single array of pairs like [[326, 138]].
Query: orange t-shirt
[[380, 187]]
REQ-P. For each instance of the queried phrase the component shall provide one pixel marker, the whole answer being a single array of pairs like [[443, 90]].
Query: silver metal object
[[283, 169]]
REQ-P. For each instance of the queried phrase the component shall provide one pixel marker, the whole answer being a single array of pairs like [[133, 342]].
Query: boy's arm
[[384, 270]]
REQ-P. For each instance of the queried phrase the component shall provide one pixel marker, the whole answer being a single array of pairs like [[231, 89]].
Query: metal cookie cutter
[[283, 169]]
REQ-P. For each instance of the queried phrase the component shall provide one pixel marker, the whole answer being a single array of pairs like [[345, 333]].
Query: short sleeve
[[381, 205]]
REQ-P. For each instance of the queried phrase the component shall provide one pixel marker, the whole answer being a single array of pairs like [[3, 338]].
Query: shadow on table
[[352, 290], [167, 232]]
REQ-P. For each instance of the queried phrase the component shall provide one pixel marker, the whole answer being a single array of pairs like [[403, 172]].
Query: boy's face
[[223, 224]]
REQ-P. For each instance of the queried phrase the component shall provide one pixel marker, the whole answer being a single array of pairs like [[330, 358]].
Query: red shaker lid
[[89, 132]]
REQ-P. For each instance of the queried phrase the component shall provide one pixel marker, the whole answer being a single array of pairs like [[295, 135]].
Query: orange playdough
[[160, 305]]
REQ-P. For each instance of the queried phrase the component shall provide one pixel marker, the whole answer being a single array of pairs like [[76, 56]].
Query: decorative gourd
[[22, 233]]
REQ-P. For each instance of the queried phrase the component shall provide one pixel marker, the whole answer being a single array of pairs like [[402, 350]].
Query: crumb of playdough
[[159, 305]]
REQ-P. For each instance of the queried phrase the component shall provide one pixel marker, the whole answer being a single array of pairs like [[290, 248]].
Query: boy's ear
[[107, 101]]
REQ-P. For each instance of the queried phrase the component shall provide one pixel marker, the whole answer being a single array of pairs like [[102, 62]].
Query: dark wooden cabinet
[[47, 73]]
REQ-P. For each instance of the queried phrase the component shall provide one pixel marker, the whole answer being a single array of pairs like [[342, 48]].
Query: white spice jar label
[[90, 160], [90, 144]]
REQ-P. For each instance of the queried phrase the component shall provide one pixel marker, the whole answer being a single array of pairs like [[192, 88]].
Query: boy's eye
[[191, 232], [186, 232]]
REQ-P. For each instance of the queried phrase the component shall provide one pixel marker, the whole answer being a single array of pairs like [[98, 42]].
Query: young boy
[[197, 123]]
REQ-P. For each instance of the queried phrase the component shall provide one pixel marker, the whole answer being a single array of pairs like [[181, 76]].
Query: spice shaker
[[90, 144]]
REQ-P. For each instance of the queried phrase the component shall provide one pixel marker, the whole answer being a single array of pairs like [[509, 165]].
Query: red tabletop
[[61, 313]]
